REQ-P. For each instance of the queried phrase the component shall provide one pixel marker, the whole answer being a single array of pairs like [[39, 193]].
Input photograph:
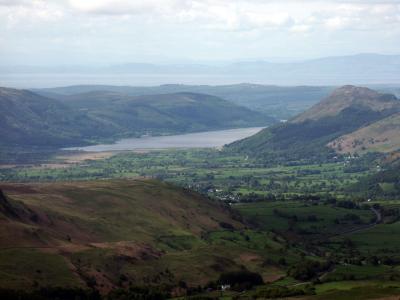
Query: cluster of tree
[[285, 215], [362, 163], [375, 260], [346, 204], [308, 198], [308, 269], [294, 217], [390, 215], [240, 280], [255, 197], [283, 291], [141, 293], [349, 218], [384, 184]]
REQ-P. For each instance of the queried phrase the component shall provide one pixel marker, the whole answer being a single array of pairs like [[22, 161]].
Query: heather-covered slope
[[381, 136], [105, 234]]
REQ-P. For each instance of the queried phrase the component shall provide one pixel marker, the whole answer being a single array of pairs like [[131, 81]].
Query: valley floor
[[297, 226]]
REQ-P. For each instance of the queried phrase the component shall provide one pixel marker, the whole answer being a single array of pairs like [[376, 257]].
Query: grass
[[363, 272], [156, 233], [247, 238], [31, 268], [356, 290], [138, 228], [276, 215], [381, 239], [207, 170]]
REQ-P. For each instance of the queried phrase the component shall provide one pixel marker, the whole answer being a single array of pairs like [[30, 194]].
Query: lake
[[207, 139]]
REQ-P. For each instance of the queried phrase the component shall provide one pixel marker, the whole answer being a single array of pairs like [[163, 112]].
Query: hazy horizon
[[105, 32], [360, 69], [121, 42]]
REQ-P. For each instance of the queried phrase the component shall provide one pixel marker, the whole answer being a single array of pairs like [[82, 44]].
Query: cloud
[[28, 12], [130, 30], [124, 7], [297, 16], [231, 15], [13, 2]]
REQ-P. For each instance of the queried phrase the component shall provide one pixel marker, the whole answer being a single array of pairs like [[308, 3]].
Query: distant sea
[[44, 80]]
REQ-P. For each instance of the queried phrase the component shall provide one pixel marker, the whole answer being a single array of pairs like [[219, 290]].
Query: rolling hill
[[164, 113], [306, 136], [350, 97], [107, 234], [280, 102], [32, 120]]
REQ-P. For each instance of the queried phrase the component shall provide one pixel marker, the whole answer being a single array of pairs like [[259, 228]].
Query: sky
[[106, 32]]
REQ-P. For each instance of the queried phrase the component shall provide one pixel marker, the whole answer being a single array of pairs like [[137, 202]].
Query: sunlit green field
[[317, 218], [209, 171]]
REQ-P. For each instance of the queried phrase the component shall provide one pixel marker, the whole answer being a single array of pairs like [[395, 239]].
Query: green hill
[[165, 113], [348, 97], [280, 102], [306, 136], [31, 120]]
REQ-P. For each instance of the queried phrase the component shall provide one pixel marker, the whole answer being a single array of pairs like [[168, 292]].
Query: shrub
[[240, 280]]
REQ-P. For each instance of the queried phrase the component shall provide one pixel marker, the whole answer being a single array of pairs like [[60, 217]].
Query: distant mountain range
[[30, 119], [280, 102], [353, 69], [352, 119], [276, 101]]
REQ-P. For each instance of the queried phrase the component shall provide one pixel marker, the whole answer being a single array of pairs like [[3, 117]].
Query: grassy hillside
[[350, 97], [33, 120], [381, 136], [164, 113], [109, 233], [305, 137], [134, 234]]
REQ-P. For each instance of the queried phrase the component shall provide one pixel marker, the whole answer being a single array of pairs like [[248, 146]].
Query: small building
[[225, 287]]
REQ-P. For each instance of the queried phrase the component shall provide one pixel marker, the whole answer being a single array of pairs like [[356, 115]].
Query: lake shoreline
[[205, 139]]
